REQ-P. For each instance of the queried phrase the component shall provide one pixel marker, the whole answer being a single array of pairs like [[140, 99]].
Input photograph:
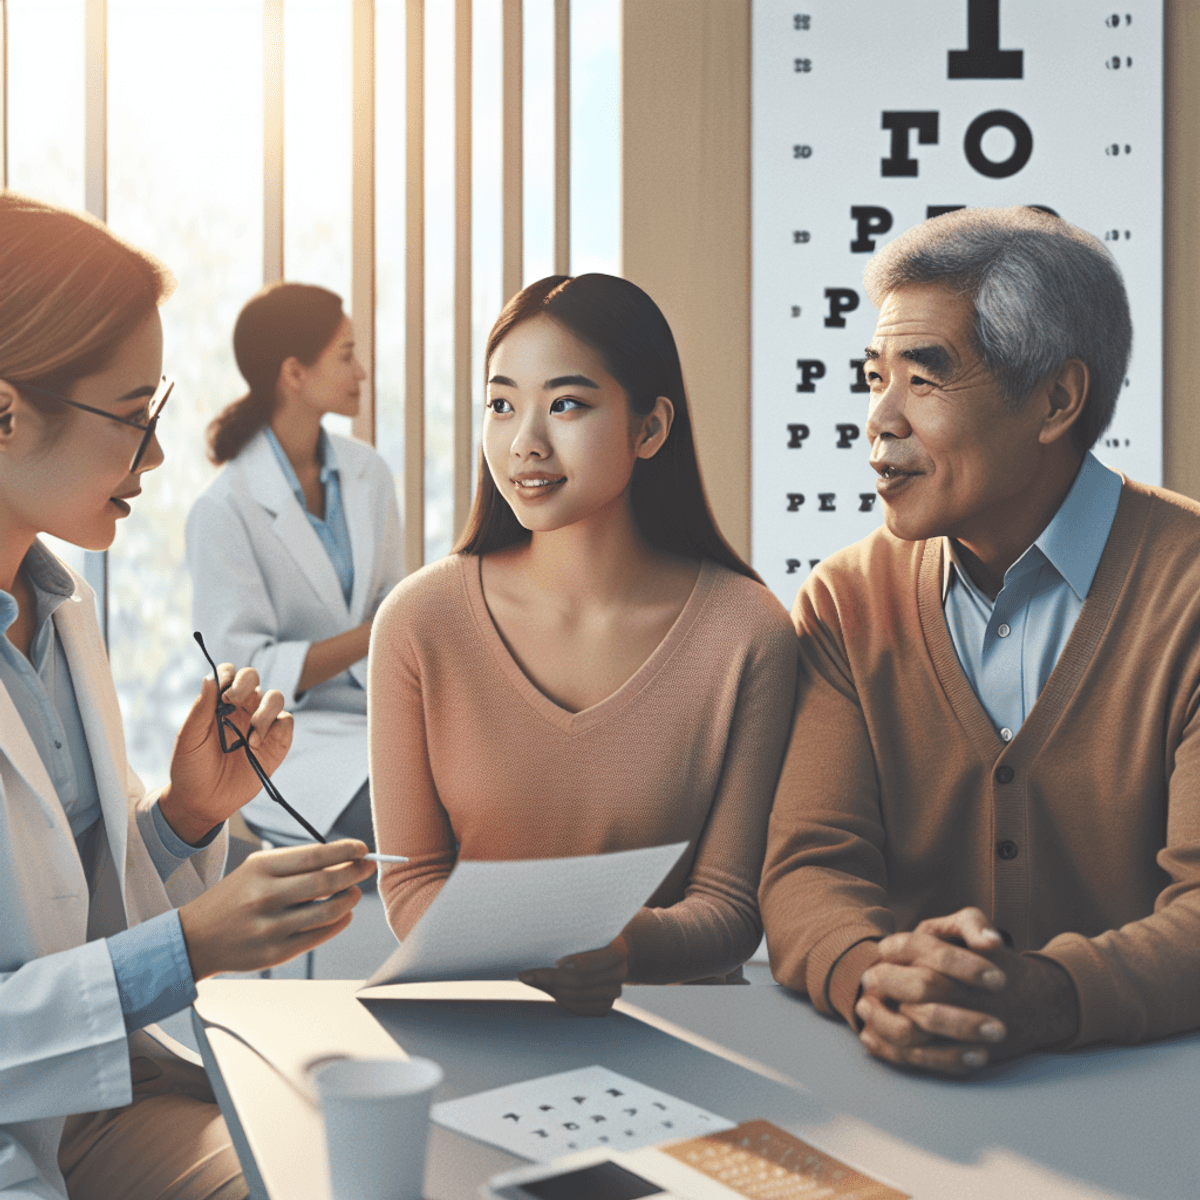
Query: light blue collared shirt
[[154, 977], [1008, 647], [332, 531]]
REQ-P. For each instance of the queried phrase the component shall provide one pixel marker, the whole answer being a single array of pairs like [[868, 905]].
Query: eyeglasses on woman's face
[[154, 408]]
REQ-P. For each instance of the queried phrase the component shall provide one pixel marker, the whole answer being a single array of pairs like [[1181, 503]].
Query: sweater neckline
[[1110, 578], [471, 568]]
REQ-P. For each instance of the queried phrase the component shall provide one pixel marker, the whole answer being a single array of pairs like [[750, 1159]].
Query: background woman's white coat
[[264, 589]]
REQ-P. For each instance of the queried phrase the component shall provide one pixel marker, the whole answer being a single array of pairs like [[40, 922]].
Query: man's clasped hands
[[950, 996]]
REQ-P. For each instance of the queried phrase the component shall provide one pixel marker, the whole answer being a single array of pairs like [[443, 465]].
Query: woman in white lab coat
[[92, 946], [293, 547]]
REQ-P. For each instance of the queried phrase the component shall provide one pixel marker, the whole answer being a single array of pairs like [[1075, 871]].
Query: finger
[[332, 880], [298, 943], [969, 924], [226, 675], [605, 959], [547, 979], [557, 982], [945, 1058], [279, 929], [888, 1025], [243, 688], [312, 856], [277, 894], [913, 984], [304, 918], [955, 1024], [270, 707], [582, 1001], [278, 737], [315, 937], [316, 887], [600, 975], [933, 954], [609, 986]]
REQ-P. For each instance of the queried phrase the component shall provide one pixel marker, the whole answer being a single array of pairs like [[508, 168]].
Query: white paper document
[[590, 1108], [493, 919]]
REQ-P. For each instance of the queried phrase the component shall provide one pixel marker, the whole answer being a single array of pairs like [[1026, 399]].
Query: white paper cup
[[377, 1125]]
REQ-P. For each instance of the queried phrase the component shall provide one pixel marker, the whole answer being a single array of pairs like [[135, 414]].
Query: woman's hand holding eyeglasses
[[277, 904], [207, 785]]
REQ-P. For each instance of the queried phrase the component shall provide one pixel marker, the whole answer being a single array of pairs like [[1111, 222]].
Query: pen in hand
[[375, 858]]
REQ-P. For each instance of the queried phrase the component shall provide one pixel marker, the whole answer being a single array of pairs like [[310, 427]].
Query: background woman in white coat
[[293, 547], [92, 946]]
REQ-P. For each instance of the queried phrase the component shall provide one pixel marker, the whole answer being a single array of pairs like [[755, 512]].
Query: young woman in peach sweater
[[594, 668]]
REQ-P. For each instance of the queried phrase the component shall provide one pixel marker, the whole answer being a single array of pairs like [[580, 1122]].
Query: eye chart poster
[[867, 117]]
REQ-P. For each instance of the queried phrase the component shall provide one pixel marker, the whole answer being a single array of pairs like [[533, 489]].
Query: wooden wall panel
[[685, 215]]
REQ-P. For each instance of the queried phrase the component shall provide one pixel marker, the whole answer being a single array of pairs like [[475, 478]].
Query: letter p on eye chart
[[493, 919]]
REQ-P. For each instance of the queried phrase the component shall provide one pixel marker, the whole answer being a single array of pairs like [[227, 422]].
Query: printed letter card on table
[[590, 1108]]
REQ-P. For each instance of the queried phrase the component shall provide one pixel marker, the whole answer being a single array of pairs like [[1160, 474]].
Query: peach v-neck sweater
[[1080, 838], [468, 757]]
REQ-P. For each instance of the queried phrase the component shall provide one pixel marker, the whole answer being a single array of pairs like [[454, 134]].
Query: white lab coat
[[63, 1047], [264, 589]]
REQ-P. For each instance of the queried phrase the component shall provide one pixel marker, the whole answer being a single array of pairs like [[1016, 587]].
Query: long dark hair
[[285, 320], [627, 329]]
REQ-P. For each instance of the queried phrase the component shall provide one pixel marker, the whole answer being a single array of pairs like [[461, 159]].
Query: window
[[183, 176]]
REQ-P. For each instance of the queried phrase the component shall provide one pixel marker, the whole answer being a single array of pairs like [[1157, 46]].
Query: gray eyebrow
[[935, 359]]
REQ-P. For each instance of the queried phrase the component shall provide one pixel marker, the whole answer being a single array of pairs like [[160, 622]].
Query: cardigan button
[[1004, 774], [1007, 850]]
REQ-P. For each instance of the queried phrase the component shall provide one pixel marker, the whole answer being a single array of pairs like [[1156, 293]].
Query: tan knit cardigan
[[1080, 838]]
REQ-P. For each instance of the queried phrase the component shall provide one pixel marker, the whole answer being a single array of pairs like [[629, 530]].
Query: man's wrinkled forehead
[[928, 325]]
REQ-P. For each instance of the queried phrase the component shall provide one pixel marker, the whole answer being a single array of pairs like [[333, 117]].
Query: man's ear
[[1063, 395], [654, 428], [9, 417]]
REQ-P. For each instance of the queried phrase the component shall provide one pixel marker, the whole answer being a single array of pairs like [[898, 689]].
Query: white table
[[1103, 1122]]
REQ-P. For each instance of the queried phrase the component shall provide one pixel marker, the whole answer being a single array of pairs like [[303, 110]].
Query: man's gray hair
[[1043, 292]]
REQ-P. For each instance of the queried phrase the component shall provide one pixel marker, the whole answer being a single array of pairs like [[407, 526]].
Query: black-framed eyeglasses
[[238, 741], [157, 403]]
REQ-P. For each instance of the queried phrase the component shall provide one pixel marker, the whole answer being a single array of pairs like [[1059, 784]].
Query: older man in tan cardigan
[[986, 838]]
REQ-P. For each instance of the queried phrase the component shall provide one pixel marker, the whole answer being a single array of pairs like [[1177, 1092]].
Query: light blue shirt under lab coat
[[1008, 647], [332, 531], [154, 977]]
